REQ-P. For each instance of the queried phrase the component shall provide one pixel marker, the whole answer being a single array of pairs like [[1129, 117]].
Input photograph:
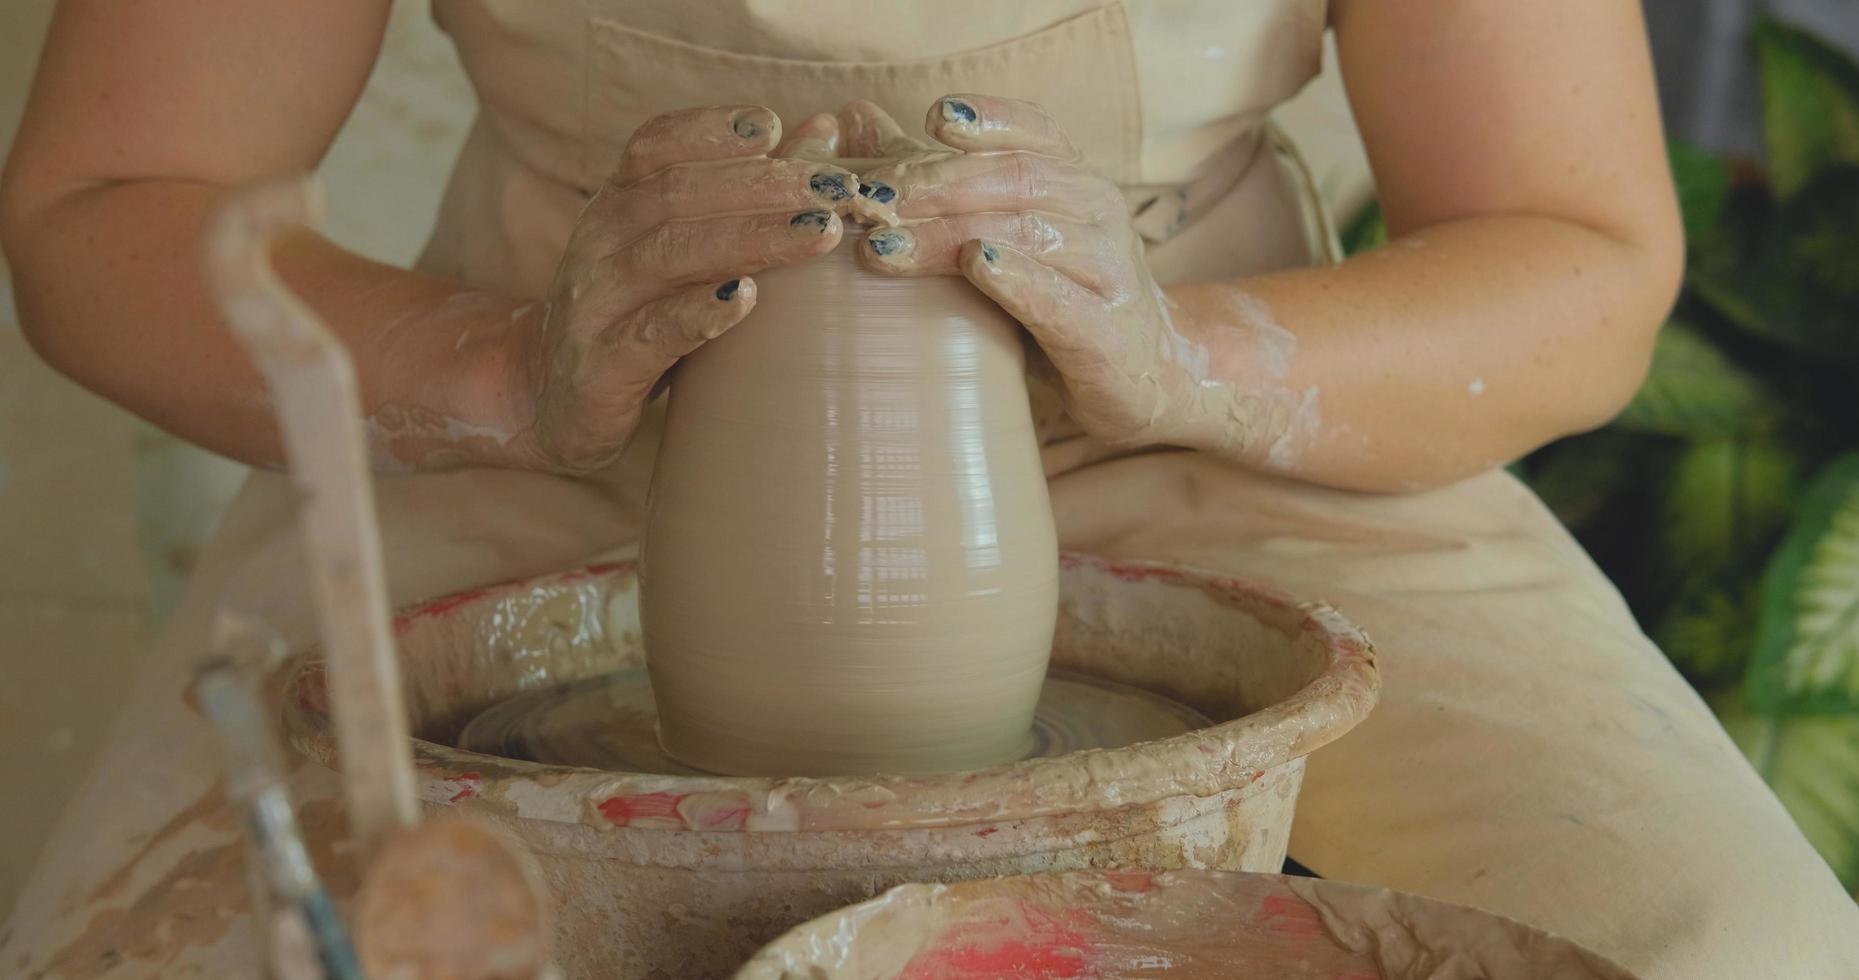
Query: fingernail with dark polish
[[830, 186], [745, 127], [728, 289], [988, 254], [816, 220], [888, 242], [955, 110], [882, 193]]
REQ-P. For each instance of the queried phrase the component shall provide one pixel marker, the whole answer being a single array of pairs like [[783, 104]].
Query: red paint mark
[[438, 607], [1289, 916], [724, 818], [1124, 571], [987, 831], [1028, 960], [624, 811], [1144, 573], [1232, 592], [1255, 777], [1036, 945], [465, 785], [677, 811]]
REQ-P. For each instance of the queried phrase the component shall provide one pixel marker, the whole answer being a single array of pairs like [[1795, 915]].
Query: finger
[[752, 184], [647, 343], [1081, 252], [959, 183], [684, 253], [1070, 323], [816, 138], [867, 131], [691, 135], [986, 122]]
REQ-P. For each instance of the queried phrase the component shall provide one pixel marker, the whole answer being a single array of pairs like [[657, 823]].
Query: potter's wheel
[[610, 722]]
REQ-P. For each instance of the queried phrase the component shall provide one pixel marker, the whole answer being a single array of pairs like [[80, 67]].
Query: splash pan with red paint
[[686, 874], [1190, 925]]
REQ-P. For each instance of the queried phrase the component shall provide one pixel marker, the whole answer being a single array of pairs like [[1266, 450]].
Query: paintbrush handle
[[312, 382]]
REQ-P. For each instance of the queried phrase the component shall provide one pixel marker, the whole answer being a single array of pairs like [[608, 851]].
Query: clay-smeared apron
[[1533, 753]]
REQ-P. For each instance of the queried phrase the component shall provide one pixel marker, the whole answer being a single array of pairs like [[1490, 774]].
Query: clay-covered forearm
[[111, 291], [1458, 347], [659, 263], [1446, 352]]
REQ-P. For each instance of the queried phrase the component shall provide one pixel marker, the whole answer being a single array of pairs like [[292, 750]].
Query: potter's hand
[[658, 264], [1008, 203]]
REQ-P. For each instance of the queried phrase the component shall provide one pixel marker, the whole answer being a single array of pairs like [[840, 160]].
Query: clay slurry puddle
[[610, 722]]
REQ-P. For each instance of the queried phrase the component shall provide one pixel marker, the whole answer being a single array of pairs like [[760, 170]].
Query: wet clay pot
[[848, 562], [1205, 925], [686, 876]]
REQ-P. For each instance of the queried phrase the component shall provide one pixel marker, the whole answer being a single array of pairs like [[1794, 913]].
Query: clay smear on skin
[[1274, 344], [1248, 416], [403, 438], [873, 213], [469, 306], [1189, 355], [1287, 417]]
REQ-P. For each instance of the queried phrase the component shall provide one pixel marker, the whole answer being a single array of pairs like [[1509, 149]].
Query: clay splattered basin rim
[[1201, 763], [1244, 920]]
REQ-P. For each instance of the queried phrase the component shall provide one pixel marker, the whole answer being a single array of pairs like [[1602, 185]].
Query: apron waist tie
[[1159, 212]]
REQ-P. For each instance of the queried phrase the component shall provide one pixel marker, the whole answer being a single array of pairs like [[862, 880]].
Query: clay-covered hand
[[1007, 202], [659, 263]]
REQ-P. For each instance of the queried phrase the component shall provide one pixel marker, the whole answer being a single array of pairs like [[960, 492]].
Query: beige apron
[[1533, 754]]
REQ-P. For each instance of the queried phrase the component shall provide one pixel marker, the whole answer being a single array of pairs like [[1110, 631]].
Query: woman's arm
[[1535, 244], [142, 120], [1536, 250], [146, 117]]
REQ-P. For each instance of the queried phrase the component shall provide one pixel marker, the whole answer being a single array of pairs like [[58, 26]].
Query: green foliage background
[[1724, 501]]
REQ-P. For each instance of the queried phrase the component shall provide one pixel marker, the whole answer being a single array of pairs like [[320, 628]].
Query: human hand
[[1007, 202], [658, 263]]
